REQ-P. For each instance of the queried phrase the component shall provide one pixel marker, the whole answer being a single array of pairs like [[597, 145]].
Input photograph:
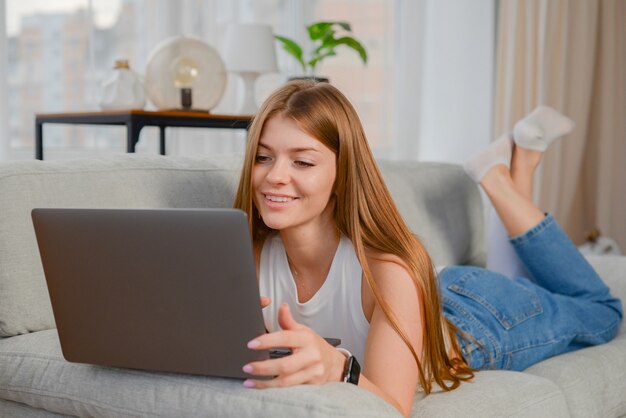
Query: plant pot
[[317, 79]]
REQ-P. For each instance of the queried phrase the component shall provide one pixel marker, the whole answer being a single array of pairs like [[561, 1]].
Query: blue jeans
[[515, 323]]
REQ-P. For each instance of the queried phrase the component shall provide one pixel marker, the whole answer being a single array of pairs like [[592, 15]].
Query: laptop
[[171, 290]]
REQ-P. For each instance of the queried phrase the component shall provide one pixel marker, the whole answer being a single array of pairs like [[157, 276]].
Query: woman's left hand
[[313, 360]]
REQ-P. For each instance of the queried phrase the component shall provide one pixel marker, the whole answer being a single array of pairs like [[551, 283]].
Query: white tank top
[[335, 311]]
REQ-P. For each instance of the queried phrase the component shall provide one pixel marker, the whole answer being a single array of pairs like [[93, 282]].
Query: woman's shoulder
[[394, 279], [387, 268], [380, 259]]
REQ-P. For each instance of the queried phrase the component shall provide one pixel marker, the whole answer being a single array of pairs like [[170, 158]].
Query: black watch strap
[[352, 372]]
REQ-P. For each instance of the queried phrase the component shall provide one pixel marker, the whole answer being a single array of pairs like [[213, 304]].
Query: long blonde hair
[[364, 212]]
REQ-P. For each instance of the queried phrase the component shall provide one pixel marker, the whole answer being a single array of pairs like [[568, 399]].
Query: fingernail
[[248, 383], [247, 368], [254, 344]]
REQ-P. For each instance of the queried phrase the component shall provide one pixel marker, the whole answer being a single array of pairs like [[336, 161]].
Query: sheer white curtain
[[413, 78], [571, 55], [444, 78], [408, 71], [439, 72], [425, 93]]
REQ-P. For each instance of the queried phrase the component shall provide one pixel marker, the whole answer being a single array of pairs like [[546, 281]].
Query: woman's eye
[[303, 164], [261, 158]]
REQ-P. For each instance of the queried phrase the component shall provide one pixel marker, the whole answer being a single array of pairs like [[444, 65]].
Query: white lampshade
[[250, 48]]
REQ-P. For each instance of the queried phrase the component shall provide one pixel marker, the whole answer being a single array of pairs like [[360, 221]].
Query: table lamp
[[249, 50], [184, 72]]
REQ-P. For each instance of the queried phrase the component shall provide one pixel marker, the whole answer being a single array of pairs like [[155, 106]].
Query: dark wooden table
[[135, 120]]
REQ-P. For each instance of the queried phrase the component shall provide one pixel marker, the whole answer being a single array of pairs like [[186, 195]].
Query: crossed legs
[[506, 171], [564, 297]]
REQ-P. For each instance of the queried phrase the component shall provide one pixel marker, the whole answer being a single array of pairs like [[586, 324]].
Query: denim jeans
[[515, 323]]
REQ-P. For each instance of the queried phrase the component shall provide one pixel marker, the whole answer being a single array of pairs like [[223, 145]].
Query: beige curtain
[[571, 55]]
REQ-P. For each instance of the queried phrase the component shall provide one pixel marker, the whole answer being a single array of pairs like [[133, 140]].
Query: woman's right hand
[[265, 301]]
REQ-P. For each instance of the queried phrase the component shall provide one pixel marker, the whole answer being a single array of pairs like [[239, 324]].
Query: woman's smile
[[278, 201]]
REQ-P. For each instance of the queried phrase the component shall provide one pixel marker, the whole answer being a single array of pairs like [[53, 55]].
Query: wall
[[456, 86]]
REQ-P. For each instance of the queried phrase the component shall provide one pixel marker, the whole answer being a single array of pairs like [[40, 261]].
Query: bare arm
[[389, 368]]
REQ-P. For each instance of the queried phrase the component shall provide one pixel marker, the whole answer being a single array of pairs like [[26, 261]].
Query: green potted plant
[[325, 38]]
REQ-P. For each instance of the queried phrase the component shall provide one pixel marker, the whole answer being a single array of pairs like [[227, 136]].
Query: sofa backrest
[[442, 206], [439, 203]]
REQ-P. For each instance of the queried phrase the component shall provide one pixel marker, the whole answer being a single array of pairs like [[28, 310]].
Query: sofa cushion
[[442, 206], [496, 393], [124, 181], [33, 372], [20, 410], [594, 379]]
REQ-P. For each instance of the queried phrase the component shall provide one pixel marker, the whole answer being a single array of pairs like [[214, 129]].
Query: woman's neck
[[310, 253], [310, 247]]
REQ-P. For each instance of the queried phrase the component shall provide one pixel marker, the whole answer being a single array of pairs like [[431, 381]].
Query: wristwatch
[[352, 371]]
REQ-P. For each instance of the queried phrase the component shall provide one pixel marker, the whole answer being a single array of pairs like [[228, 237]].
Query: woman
[[336, 260]]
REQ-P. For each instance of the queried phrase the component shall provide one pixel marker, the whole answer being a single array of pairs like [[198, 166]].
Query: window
[[50, 68], [59, 52], [421, 71]]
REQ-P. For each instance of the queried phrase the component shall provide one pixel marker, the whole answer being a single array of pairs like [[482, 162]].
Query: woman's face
[[292, 177]]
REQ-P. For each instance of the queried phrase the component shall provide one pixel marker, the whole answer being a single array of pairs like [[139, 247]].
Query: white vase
[[122, 89]]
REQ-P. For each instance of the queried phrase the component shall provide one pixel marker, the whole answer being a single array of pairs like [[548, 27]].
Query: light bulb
[[185, 71]]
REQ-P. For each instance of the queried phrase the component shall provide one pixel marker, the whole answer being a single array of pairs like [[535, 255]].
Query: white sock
[[539, 128], [498, 152]]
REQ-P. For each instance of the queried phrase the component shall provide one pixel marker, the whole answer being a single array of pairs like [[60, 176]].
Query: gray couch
[[438, 202]]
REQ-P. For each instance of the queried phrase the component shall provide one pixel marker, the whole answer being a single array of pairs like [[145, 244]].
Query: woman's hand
[[312, 361]]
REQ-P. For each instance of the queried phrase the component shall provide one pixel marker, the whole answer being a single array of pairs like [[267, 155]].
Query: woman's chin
[[273, 223]]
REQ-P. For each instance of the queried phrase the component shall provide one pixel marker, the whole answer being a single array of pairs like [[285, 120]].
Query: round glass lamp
[[185, 73]]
